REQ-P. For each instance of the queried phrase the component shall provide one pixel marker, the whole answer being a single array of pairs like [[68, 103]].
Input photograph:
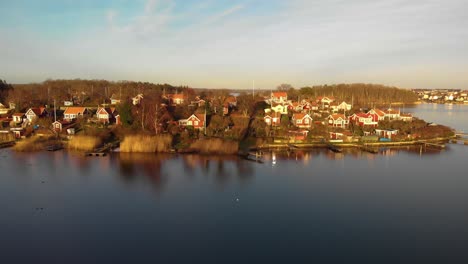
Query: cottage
[[137, 99], [380, 114], [343, 106], [279, 97], [115, 99], [74, 112], [19, 118], [57, 126], [297, 136], [106, 115], [229, 103], [3, 109], [34, 113], [302, 120], [197, 121], [279, 108], [392, 114], [273, 120], [325, 100], [406, 117], [337, 120], [296, 107], [18, 132], [364, 119], [177, 99], [386, 133]]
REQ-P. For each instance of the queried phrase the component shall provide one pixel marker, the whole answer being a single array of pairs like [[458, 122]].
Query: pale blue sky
[[211, 43]]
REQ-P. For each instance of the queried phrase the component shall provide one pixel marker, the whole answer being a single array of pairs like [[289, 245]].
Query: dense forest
[[85, 92], [5, 88], [360, 93]]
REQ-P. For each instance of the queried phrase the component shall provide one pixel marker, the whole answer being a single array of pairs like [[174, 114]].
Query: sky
[[237, 44]]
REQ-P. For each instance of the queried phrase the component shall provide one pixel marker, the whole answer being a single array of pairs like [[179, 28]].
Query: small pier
[[369, 149], [432, 144], [256, 156], [7, 144], [334, 148], [102, 151], [95, 154]]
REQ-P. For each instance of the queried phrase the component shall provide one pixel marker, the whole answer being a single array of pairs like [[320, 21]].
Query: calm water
[[399, 206]]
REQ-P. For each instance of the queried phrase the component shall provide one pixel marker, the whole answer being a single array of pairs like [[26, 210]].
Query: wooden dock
[[432, 144], [95, 154], [102, 151], [7, 144], [334, 148], [369, 149]]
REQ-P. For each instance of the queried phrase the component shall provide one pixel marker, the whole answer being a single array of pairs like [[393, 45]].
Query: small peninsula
[[98, 116]]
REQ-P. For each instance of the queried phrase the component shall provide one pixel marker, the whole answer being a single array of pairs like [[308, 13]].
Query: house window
[[189, 123], [195, 123], [298, 121], [306, 121]]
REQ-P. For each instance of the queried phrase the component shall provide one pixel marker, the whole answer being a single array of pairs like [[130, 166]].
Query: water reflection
[[143, 166], [306, 156], [222, 168]]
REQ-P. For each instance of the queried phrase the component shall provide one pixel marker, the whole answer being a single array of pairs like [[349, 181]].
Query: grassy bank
[[149, 144]]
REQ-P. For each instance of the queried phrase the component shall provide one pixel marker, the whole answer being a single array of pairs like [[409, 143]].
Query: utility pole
[[156, 120], [55, 113], [253, 89]]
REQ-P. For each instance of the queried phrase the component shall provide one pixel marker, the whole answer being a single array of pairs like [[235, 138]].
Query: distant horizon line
[[225, 88]]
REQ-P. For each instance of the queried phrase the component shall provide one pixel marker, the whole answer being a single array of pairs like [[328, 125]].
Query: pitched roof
[[279, 94], [299, 116], [378, 111], [74, 110], [37, 110], [392, 111], [201, 117], [19, 114], [337, 116], [176, 96]]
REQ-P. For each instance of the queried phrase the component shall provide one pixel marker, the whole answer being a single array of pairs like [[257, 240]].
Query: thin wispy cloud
[[228, 43], [219, 16]]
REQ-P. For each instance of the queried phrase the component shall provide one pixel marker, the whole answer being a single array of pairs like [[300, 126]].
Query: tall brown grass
[[142, 143], [34, 143], [6, 137], [215, 146], [84, 143]]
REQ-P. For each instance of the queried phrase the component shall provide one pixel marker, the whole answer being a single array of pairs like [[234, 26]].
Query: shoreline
[[352, 144]]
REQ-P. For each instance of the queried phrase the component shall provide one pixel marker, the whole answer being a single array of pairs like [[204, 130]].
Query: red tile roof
[[279, 94]]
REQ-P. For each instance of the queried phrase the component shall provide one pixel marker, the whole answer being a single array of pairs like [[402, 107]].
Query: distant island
[[99, 115], [442, 96]]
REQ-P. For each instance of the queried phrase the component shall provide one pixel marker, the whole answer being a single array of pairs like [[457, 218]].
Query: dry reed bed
[[145, 144], [215, 146], [34, 143], [84, 143]]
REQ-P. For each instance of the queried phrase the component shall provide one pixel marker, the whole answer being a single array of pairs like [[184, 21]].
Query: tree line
[[361, 94]]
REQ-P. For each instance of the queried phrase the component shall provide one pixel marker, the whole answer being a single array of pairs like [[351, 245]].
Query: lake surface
[[398, 206]]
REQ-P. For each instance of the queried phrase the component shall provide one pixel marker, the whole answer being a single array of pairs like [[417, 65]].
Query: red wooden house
[[302, 120]]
